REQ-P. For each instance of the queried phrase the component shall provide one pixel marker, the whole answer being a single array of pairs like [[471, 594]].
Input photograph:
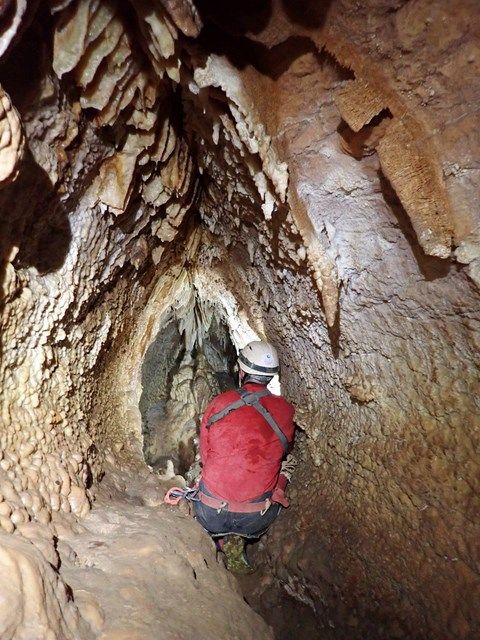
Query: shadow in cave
[[237, 16], [334, 332], [431, 267], [225, 26], [252, 16], [29, 51], [359, 144], [38, 212], [310, 14], [277, 224], [33, 219], [8, 14], [242, 52]]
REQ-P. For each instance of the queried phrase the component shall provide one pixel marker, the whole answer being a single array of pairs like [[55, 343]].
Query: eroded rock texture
[[309, 172], [35, 601], [170, 587], [189, 362], [391, 417]]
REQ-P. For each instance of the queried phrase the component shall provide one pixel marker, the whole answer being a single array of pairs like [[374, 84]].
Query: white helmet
[[259, 358]]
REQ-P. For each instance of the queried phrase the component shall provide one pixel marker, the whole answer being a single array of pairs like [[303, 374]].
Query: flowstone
[[152, 570]]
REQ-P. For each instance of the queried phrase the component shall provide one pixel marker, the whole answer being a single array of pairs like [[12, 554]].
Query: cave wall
[[312, 171], [388, 394], [80, 246]]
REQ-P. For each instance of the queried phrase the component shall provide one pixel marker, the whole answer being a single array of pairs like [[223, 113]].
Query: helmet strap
[[250, 377]]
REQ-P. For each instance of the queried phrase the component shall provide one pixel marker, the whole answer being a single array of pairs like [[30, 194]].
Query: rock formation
[[305, 172]]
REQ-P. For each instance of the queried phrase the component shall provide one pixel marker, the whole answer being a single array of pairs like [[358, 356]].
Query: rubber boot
[[236, 559]]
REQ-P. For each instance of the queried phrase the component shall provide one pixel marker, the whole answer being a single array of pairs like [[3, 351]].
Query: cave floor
[[138, 571]]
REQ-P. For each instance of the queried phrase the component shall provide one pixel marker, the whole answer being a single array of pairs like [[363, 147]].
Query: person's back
[[241, 454]]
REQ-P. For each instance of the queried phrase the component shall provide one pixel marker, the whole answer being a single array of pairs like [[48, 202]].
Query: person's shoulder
[[284, 403], [224, 398]]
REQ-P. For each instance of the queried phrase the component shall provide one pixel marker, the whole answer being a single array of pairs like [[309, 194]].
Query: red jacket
[[241, 454]]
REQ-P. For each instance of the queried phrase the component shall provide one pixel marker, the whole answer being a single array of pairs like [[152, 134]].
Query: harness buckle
[[268, 504], [249, 399], [223, 507]]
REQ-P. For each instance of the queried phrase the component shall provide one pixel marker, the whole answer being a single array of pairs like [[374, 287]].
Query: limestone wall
[[80, 245], [384, 528], [310, 171]]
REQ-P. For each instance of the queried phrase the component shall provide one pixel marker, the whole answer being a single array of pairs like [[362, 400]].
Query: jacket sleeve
[[278, 494], [288, 466]]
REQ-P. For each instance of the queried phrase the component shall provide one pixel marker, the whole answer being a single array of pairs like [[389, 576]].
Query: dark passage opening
[[191, 359]]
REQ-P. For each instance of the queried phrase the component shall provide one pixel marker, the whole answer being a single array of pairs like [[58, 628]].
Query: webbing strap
[[225, 411], [252, 400], [244, 400]]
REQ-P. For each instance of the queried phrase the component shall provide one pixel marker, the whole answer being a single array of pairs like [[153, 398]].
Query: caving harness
[[247, 398], [233, 506]]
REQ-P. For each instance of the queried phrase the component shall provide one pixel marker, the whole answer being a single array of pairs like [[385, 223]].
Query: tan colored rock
[[115, 180], [418, 182], [42, 537], [11, 139], [155, 27], [6, 524], [185, 15], [189, 176], [70, 36], [121, 598], [90, 609], [36, 600], [358, 103], [105, 34], [77, 499]]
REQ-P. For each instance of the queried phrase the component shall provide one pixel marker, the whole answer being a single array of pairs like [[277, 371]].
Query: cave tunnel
[[191, 360], [178, 178]]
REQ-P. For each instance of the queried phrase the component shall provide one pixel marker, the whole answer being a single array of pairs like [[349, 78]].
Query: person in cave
[[245, 440]]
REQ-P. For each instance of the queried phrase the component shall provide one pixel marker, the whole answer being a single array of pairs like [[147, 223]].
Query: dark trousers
[[219, 523]]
